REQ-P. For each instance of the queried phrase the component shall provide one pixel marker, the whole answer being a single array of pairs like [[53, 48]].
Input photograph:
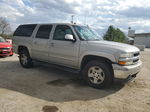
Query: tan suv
[[77, 48]]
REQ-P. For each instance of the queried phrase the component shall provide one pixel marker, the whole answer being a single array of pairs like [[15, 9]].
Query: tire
[[25, 59], [11, 55], [98, 74]]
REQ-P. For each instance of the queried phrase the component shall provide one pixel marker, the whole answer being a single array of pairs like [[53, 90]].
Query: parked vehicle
[[76, 48], [5, 48]]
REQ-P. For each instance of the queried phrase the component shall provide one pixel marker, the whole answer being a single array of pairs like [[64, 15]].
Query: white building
[[142, 39]]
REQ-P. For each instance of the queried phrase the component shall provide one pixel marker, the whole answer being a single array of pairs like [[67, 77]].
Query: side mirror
[[69, 37], [9, 41]]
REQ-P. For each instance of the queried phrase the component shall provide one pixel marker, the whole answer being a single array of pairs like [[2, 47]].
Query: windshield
[[2, 40], [85, 33]]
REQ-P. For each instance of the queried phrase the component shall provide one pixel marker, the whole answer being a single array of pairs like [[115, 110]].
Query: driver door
[[62, 51]]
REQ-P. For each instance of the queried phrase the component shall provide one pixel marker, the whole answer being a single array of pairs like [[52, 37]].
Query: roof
[[51, 23], [142, 34], [129, 38]]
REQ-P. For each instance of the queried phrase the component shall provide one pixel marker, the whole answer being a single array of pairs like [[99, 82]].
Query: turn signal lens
[[122, 62], [125, 62]]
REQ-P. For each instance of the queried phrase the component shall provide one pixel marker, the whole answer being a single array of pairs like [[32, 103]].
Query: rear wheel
[[98, 74], [25, 59]]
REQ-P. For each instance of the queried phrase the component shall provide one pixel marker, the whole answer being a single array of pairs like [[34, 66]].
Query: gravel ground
[[47, 89]]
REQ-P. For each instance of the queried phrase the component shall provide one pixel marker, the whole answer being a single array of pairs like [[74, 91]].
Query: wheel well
[[21, 48], [88, 58]]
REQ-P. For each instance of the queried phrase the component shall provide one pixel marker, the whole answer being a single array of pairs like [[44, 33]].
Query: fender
[[28, 47], [94, 53]]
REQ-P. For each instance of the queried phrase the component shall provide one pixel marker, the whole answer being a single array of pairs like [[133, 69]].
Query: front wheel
[[11, 55], [98, 74], [25, 59]]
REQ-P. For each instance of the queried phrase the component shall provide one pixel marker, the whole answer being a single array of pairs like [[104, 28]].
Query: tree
[[4, 26], [114, 34]]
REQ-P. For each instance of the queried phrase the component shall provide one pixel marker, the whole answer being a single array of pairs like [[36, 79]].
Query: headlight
[[125, 59], [127, 55]]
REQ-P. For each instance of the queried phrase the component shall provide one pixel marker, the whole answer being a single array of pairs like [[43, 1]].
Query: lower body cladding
[[126, 72], [6, 53]]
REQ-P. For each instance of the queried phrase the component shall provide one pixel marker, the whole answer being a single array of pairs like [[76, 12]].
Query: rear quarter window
[[24, 30]]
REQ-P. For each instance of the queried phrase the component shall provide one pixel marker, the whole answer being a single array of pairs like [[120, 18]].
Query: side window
[[61, 31], [44, 31], [25, 30]]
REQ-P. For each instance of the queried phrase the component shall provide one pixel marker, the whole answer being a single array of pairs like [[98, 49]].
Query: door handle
[[52, 44]]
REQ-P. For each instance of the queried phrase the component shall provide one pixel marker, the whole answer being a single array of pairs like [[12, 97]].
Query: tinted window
[[44, 31], [61, 31], [25, 30]]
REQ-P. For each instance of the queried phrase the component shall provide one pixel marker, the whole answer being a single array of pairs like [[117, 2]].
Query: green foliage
[[114, 34]]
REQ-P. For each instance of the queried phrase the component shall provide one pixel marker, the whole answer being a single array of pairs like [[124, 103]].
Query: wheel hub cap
[[96, 75]]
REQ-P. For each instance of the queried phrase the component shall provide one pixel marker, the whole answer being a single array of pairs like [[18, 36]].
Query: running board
[[76, 71]]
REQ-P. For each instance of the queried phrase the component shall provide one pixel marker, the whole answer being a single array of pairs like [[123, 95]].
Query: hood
[[5, 44], [114, 45]]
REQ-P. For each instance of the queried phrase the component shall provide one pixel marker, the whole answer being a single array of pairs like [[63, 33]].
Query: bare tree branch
[[4, 26]]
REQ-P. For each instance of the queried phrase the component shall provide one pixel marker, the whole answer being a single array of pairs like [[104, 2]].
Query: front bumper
[[6, 52], [124, 72]]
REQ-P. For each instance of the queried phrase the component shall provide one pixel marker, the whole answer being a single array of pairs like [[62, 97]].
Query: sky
[[98, 14]]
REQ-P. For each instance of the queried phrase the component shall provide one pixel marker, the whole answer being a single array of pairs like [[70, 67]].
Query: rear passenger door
[[40, 44]]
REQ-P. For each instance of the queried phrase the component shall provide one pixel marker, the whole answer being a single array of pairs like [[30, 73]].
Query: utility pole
[[72, 16], [85, 15]]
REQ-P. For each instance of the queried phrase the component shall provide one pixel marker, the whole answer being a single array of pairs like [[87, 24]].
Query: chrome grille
[[136, 54], [4, 48], [136, 57]]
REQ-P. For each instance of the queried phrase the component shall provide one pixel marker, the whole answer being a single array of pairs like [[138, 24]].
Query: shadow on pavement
[[49, 83]]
